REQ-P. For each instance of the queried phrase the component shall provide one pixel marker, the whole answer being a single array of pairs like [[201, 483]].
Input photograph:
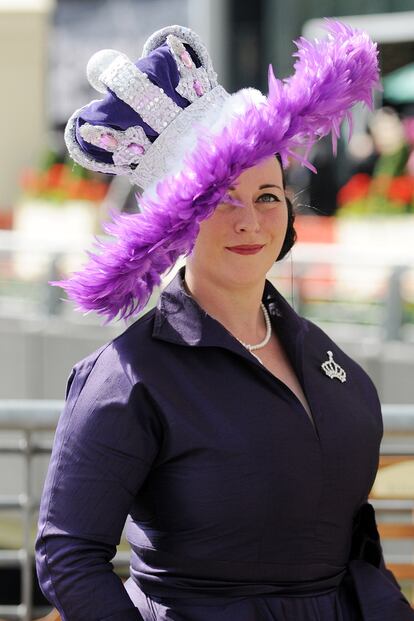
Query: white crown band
[[163, 154]]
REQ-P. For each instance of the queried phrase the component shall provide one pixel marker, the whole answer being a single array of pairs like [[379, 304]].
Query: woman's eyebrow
[[269, 185]]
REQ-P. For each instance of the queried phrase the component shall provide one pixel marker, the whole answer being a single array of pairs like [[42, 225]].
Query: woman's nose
[[247, 218]]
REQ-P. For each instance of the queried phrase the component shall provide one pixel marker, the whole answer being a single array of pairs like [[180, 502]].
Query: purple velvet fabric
[[161, 69]]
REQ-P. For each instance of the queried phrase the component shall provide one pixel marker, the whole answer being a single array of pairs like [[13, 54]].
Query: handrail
[[29, 416], [397, 418], [43, 414]]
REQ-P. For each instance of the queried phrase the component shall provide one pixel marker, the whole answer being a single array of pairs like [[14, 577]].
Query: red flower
[[356, 188], [53, 176], [401, 189], [58, 182]]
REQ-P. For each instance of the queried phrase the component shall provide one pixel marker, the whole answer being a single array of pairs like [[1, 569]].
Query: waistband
[[166, 575], [169, 579]]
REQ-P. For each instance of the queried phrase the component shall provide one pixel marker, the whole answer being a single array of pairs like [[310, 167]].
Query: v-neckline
[[311, 418], [279, 351], [297, 368], [180, 319]]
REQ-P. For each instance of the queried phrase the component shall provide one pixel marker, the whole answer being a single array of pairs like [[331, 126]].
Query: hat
[[167, 125], [149, 106]]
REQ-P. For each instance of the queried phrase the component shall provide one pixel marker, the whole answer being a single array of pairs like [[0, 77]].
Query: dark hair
[[291, 236]]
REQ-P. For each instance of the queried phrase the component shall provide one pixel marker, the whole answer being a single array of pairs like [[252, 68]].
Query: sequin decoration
[[135, 89], [194, 81], [166, 150], [127, 146]]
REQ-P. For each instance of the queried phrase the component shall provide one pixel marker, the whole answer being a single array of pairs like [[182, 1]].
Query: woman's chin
[[245, 274], [248, 268], [234, 269]]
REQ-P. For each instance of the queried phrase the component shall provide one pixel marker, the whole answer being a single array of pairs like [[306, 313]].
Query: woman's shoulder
[[318, 340], [120, 356]]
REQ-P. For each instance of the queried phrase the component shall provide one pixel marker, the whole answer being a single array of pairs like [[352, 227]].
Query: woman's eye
[[268, 198]]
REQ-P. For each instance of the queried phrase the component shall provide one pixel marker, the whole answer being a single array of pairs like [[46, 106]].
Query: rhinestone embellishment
[[332, 369], [186, 58], [127, 146], [194, 81], [192, 39]]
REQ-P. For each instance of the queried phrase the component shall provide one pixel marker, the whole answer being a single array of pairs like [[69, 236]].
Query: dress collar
[[180, 319]]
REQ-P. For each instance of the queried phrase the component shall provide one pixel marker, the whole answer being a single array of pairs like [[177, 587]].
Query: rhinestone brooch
[[332, 368]]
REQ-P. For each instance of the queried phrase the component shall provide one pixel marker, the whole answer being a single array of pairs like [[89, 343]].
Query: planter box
[[390, 236], [376, 241], [50, 228], [367, 248]]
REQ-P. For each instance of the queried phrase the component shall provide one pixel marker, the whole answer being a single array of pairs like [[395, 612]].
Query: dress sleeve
[[107, 437]]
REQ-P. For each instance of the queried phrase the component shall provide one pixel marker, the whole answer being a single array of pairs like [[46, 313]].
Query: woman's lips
[[244, 249]]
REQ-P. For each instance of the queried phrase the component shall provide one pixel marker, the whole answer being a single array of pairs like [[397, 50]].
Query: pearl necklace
[[247, 345], [268, 332]]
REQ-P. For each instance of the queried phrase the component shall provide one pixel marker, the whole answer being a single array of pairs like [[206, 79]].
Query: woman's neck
[[237, 308]]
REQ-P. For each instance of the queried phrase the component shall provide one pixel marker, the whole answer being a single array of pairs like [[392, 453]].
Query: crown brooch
[[332, 368]]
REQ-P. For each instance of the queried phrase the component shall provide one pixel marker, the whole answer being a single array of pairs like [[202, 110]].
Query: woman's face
[[261, 221]]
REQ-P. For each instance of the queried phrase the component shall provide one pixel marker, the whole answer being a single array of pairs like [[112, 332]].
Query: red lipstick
[[245, 249]]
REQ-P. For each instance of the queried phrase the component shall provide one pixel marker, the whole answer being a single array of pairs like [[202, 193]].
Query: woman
[[237, 439]]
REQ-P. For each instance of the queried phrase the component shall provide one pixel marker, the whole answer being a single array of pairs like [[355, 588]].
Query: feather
[[330, 77]]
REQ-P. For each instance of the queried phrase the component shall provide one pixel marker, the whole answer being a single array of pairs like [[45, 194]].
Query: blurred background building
[[351, 271]]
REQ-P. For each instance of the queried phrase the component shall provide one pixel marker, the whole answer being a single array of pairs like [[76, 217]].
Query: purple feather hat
[[169, 127]]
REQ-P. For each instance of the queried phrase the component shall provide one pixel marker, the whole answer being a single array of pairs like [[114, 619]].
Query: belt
[[379, 595]]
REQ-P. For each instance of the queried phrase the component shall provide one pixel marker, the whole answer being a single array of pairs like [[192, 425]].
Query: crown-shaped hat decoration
[[133, 153], [198, 140], [332, 369]]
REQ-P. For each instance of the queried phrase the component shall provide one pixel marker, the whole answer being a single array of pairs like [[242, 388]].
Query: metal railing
[[29, 417]]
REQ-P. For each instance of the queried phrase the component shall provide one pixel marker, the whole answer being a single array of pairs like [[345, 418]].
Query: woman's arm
[[106, 439], [366, 541]]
